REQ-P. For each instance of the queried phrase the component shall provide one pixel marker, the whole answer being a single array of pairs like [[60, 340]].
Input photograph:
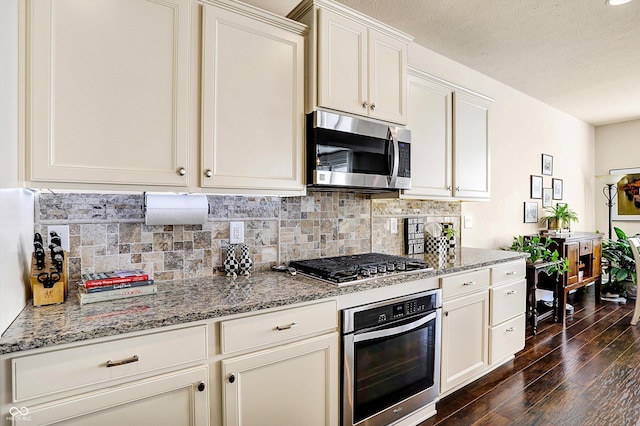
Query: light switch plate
[[393, 225], [468, 222]]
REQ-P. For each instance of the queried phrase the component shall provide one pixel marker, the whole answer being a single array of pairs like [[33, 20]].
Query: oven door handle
[[386, 332], [392, 138]]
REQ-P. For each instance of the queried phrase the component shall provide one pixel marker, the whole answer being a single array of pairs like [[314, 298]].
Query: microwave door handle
[[396, 156]]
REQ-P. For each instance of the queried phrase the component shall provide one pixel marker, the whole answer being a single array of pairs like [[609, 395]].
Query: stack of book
[[102, 286]]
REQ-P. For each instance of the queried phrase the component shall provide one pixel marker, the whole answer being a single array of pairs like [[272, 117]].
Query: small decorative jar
[[244, 261], [231, 264]]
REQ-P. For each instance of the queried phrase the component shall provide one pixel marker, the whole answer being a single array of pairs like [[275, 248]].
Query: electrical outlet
[[468, 222], [63, 232], [393, 225], [236, 232]]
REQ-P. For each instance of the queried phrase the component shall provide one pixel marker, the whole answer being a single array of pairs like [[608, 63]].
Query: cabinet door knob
[[232, 378], [449, 188], [182, 171], [208, 173], [458, 188], [365, 105], [201, 386], [373, 107]]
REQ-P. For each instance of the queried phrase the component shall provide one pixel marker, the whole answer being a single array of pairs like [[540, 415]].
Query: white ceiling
[[580, 56]]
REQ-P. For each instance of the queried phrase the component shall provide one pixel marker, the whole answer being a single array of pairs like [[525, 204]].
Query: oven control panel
[[394, 310]]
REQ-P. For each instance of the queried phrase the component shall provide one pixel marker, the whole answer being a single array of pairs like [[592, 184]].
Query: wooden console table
[[584, 251]]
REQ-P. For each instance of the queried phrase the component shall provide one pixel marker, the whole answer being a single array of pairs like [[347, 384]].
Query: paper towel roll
[[176, 209]]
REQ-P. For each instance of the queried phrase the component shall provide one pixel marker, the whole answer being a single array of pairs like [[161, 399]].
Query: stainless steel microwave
[[345, 152]]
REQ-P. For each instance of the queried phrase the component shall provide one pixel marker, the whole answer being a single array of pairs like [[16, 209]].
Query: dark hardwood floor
[[587, 373]]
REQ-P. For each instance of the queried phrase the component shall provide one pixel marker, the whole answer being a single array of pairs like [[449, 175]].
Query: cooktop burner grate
[[343, 269]]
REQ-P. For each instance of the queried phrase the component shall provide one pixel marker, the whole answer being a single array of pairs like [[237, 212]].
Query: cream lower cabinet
[[108, 85], [293, 379], [465, 338], [160, 377], [449, 140], [169, 399], [508, 307], [252, 101]]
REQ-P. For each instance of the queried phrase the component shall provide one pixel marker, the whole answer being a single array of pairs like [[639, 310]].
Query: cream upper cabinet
[[429, 118], [108, 85], [449, 140], [355, 64], [471, 166], [252, 100]]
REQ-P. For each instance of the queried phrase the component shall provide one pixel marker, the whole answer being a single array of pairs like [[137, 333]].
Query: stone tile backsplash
[[107, 231]]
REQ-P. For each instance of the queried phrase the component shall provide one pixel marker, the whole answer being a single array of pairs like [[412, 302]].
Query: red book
[[100, 279]]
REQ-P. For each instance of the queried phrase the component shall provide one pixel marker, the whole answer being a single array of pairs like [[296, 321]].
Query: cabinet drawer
[[259, 330], [506, 339], [66, 369], [466, 283], [586, 247], [508, 272], [507, 301]]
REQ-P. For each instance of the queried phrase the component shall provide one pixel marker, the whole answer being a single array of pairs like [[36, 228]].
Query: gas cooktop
[[347, 269]]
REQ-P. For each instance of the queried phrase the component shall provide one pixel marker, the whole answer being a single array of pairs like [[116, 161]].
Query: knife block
[[48, 296]]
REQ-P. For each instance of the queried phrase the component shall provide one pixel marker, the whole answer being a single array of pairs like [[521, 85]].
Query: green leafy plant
[[559, 217], [618, 253], [449, 232], [539, 250]]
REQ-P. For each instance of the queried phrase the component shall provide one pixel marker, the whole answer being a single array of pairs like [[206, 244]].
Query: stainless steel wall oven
[[391, 358]]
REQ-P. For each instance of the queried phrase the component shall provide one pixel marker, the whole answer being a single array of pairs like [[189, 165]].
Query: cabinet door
[[296, 384], [572, 252], [429, 118], [170, 399], [108, 83], [342, 62], [471, 146], [387, 78], [252, 103], [465, 351], [597, 258]]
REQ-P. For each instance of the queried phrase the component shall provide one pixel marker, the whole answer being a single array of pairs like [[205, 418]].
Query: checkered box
[[435, 244]]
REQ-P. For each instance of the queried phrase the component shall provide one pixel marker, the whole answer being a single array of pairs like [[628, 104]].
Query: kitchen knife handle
[[123, 362]]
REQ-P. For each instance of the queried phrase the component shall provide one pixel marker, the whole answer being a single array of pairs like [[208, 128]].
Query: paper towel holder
[[175, 208]]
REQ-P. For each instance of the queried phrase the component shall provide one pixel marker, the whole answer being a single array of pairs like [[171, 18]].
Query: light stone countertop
[[184, 301]]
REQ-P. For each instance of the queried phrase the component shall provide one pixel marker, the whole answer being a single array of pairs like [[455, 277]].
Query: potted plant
[[539, 251], [559, 217], [450, 234], [622, 265]]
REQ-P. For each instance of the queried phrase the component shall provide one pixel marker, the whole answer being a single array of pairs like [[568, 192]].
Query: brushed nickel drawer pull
[[286, 327], [469, 283], [510, 329], [511, 292], [123, 362], [511, 273]]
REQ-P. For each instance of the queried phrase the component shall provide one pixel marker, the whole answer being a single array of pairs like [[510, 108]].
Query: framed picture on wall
[[530, 212], [557, 188], [547, 195], [536, 186], [627, 202], [547, 164]]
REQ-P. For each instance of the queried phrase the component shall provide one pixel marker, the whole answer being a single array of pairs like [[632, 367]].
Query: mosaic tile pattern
[[107, 231], [324, 224], [384, 241]]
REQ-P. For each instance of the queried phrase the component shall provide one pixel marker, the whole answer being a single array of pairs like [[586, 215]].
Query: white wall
[[617, 146], [521, 129], [16, 236]]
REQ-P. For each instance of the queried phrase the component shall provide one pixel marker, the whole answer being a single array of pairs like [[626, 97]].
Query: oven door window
[[392, 368]]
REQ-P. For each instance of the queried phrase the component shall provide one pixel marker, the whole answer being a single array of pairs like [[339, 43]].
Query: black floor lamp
[[610, 192]]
